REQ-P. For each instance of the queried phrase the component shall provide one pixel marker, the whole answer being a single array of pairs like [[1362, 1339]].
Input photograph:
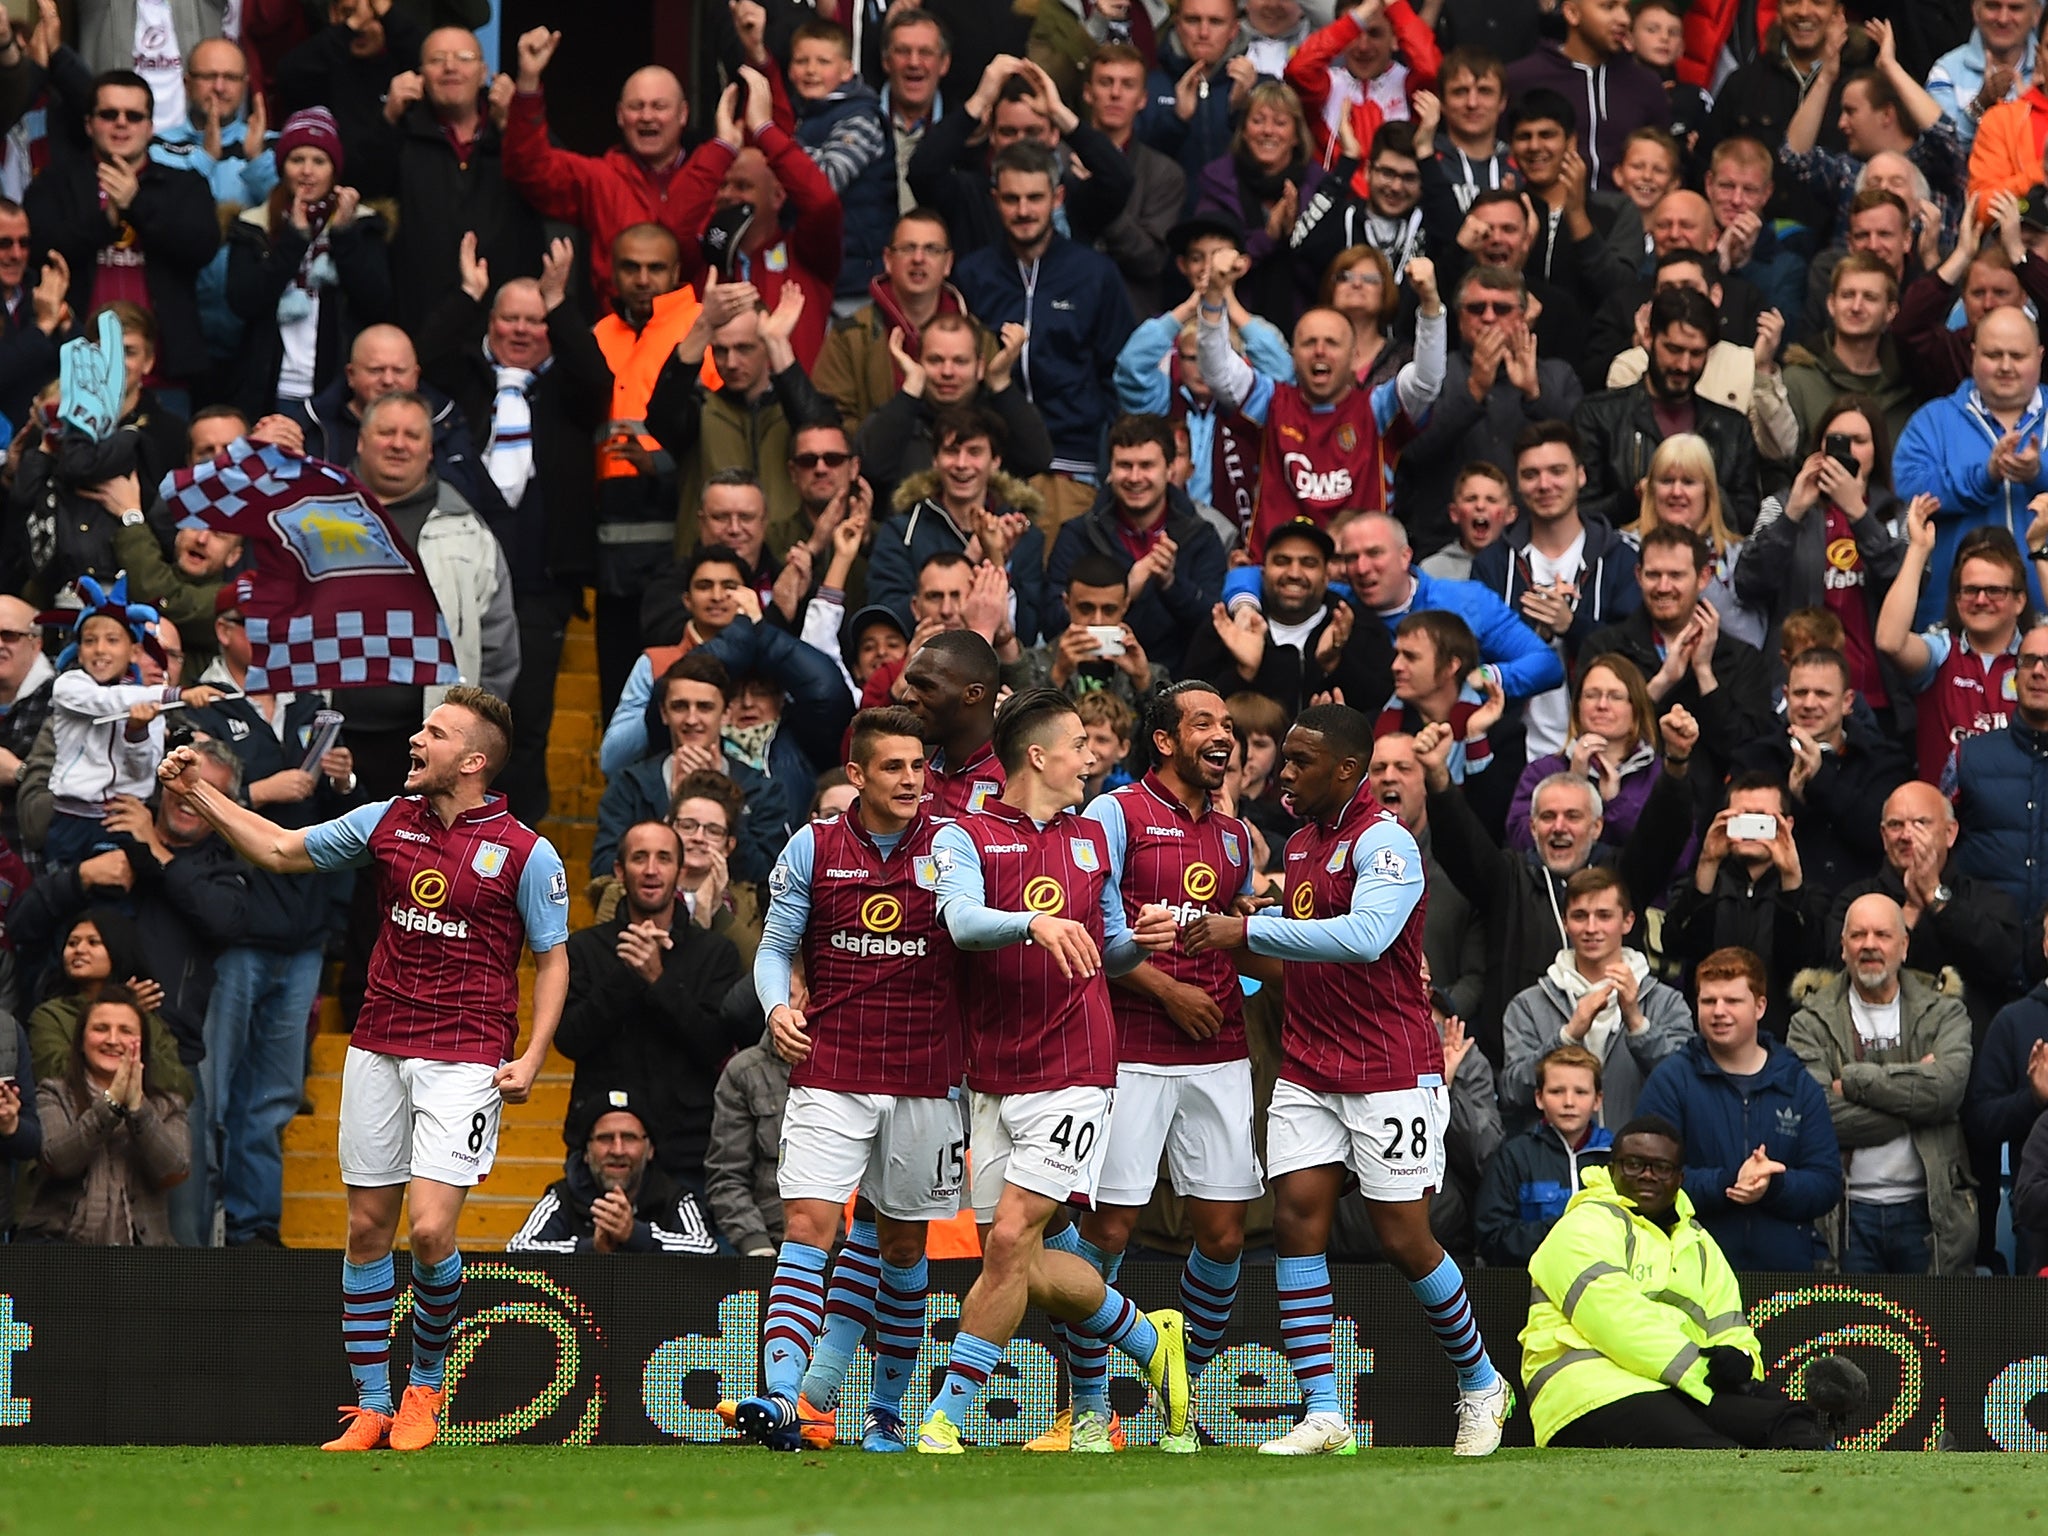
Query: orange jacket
[[1708, 26], [636, 362], [2007, 154]]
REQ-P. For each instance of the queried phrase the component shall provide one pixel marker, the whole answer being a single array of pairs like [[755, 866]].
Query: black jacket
[[440, 199], [1737, 711], [331, 435], [1165, 618], [1835, 821], [550, 535], [666, 1217], [1612, 330], [896, 441], [322, 72], [186, 912], [1290, 674], [949, 172], [262, 265], [28, 358], [667, 1041], [1619, 433], [287, 913], [1526, 1187], [175, 228], [1758, 100], [1781, 928], [1521, 902]]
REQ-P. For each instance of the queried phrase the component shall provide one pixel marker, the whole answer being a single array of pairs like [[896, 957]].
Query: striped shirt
[[457, 902], [1029, 1028], [1357, 1015], [884, 1013], [1160, 854]]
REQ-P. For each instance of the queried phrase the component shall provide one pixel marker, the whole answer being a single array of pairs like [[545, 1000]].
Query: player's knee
[[368, 1239], [433, 1238], [1224, 1243], [1009, 1242], [901, 1246]]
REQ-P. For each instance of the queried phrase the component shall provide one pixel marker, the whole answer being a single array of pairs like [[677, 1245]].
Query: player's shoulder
[[1387, 850]]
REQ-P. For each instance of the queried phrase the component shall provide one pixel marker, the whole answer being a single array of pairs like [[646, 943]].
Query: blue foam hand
[[92, 377]]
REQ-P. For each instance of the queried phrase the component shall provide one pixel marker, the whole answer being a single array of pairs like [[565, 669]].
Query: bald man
[[380, 361], [1892, 1049], [1978, 451], [640, 181], [25, 676], [440, 152]]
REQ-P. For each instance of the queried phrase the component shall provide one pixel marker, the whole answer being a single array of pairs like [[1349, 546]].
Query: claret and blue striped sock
[[1088, 1358], [367, 1294], [1208, 1293], [1307, 1315], [1121, 1325], [849, 1310], [899, 1332], [436, 1298], [796, 1308], [972, 1362], [1449, 1309]]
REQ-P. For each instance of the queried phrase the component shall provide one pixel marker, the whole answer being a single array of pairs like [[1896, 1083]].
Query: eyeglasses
[[120, 115], [437, 60], [14, 636], [689, 826], [14, 242], [2031, 661], [926, 248], [1361, 277], [217, 76], [809, 461], [1977, 594], [1481, 309], [1646, 1167], [1388, 173], [1893, 825]]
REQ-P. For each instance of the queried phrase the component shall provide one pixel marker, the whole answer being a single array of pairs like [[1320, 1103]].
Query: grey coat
[[1534, 1024], [746, 1140], [1893, 1092], [106, 31]]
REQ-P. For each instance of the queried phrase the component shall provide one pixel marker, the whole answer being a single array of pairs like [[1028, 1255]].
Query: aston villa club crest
[[1347, 438], [1337, 857], [984, 791], [490, 858], [1230, 850], [1084, 855], [925, 871]]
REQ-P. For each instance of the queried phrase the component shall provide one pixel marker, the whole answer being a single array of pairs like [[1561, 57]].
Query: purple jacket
[[1612, 100]]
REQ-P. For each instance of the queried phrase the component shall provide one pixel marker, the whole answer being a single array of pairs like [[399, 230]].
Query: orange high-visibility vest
[[636, 361]]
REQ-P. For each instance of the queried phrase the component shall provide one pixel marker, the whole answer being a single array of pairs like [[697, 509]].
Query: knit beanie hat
[[313, 128]]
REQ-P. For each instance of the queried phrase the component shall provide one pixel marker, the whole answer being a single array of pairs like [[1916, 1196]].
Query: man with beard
[[1184, 1077], [1621, 428], [643, 1006], [611, 1197], [1359, 1049], [1301, 639]]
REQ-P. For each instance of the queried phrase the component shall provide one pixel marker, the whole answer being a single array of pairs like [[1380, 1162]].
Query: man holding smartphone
[[1097, 651]]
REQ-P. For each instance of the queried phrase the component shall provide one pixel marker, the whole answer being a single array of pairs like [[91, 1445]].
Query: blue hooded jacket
[[1783, 1111], [845, 135]]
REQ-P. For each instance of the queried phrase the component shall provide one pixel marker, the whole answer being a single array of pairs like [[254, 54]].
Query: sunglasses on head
[[120, 115], [813, 460]]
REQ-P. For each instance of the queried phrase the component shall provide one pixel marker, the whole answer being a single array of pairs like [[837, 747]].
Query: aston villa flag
[[338, 599]]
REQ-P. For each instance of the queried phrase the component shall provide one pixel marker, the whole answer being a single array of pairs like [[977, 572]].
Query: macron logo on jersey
[[410, 837]]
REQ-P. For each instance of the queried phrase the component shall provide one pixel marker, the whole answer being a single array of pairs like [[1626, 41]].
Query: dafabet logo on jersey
[[1045, 895], [1301, 902], [880, 916], [429, 891]]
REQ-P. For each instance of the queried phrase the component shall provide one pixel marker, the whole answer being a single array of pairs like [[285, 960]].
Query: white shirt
[[1548, 716], [301, 340], [1890, 1174], [158, 61]]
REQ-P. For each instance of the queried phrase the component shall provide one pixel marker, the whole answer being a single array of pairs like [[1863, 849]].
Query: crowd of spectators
[[1643, 423]]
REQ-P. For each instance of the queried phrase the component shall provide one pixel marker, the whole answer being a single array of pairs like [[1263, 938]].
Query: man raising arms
[[1361, 1075], [462, 883], [1025, 885]]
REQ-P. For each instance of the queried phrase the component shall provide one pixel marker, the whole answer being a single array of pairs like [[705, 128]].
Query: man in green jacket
[[1636, 1332]]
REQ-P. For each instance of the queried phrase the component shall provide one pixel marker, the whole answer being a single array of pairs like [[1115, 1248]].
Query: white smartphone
[[1753, 827], [1109, 639]]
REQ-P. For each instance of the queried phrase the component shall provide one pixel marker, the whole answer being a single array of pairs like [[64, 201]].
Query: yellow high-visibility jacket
[[1618, 1307]]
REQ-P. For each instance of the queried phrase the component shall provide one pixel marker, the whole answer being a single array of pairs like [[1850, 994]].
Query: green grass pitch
[[739, 1491]]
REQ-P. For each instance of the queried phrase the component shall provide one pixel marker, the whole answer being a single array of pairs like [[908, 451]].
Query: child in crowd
[[1651, 165], [1481, 507], [1109, 721], [98, 758], [1657, 38], [1534, 1174]]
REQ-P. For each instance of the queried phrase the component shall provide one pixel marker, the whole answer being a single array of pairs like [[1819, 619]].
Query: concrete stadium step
[[321, 1221], [313, 1136]]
